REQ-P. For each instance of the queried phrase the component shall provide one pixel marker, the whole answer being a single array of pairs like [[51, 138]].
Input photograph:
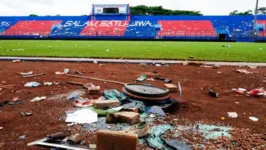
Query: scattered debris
[[78, 72], [33, 75], [141, 78], [66, 71], [158, 65], [82, 116], [154, 139], [243, 71], [56, 82], [239, 90], [48, 83], [219, 72], [254, 119], [113, 140], [156, 110], [93, 90], [26, 114], [213, 93], [1, 128], [100, 104], [75, 139], [177, 145], [257, 92], [123, 117], [26, 73], [16, 61], [22, 137], [141, 129], [56, 136], [32, 84], [83, 103], [37, 99], [232, 115], [171, 87]]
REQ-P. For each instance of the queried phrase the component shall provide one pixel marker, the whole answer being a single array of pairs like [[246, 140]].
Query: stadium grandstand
[[116, 22]]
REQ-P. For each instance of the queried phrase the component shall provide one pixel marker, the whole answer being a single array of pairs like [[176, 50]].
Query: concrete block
[[114, 140], [171, 87], [123, 117]]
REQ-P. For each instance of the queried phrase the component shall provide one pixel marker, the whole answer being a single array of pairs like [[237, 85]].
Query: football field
[[209, 51]]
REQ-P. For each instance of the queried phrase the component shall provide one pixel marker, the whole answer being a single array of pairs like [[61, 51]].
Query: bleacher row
[[133, 28]]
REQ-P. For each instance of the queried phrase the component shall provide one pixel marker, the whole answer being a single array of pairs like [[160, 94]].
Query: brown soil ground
[[197, 105]]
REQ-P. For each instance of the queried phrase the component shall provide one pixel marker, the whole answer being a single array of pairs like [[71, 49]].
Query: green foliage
[[262, 11], [159, 10], [237, 13], [33, 15]]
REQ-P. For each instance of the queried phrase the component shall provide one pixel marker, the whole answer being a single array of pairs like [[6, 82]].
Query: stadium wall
[[227, 28]]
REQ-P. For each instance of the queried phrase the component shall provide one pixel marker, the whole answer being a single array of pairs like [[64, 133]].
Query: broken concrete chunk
[[100, 104], [171, 87], [123, 117], [113, 140]]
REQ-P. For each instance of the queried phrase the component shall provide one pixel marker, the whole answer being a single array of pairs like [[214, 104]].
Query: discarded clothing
[[154, 140], [177, 145], [113, 95], [32, 84], [133, 103], [156, 110], [101, 123]]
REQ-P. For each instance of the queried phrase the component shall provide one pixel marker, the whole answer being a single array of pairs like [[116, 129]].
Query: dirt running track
[[197, 105]]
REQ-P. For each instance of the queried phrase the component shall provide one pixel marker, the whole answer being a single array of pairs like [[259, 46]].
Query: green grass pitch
[[210, 51]]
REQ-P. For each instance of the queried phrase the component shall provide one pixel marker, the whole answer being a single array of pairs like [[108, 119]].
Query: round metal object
[[146, 92]]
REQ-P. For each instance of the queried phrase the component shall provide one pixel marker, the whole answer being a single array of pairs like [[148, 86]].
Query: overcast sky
[[81, 7]]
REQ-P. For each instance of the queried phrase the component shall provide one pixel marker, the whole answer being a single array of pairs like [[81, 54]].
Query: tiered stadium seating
[[262, 33], [68, 28], [187, 28], [5, 24], [31, 28], [141, 28], [105, 28]]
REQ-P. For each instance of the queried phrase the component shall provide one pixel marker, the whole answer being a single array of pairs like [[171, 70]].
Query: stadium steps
[[187, 28], [32, 28]]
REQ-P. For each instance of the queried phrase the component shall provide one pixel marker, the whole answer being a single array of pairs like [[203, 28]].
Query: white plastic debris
[[48, 83], [117, 108], [232, 114], [32, 84], [253, 118], [37, 99], [95, 62], [26, 73], [158, 65], [66, 70], [82, 116], [1, 128]]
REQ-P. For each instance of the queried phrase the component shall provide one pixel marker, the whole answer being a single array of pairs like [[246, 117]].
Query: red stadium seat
[[186, 28], [105, 28], [262, 33], [32, 28]]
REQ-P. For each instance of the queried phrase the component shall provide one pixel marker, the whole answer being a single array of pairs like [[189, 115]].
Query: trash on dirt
[[254, 119], [114, 140], [56, 136], [102, 112], [56, 82], [78, 72], [163, 79], [219, 72], [32, 84], [101, 104], [66, 71], [48, 83], [154, 139], [243, 71], [73, 96], [93, 89], [37, 99], [141, 78], [237, 103], [26, 114], [26, 73], [46, 142], [19, 101], [206, 66], [82, 116], [6, 86], [177, 145], [113, 95], [123, 117], [171, 87], [222, 118], [213, 93], [83, 103], [1, 128], [239, 90], [95, 62], [232, 115], [142, 129], [22, 137], [213, 131], [33, 75], [156, 110], [158, 65], [257, 92], [75, 139], [16, 61], [150, 79]]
